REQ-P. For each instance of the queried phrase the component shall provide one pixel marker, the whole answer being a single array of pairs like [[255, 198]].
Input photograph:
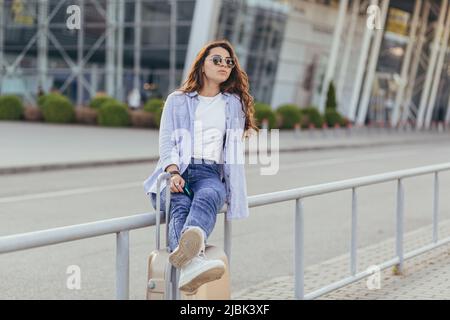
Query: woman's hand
[[176, 183]]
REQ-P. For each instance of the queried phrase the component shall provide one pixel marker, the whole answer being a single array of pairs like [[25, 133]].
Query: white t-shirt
[[210, 128]]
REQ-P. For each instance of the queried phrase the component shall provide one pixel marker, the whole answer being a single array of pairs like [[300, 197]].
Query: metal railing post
[[167, 212], [353, 257], [400, 222], [299, 268], [227, 239], [123, 266], [436, 208], [161, 177], [158, 220]]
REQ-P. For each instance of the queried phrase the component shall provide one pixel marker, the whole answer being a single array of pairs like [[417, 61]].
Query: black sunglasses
[[217, 60]]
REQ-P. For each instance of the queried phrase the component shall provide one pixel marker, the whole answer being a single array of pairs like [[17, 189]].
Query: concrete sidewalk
[[426, 276], [27, 146]]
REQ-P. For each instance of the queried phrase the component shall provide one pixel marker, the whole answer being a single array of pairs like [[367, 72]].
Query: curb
[[75, 165]]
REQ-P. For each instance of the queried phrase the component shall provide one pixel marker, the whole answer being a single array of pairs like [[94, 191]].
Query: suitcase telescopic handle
[[163, 176]]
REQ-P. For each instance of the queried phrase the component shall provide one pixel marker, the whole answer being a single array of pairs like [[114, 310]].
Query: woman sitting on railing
[[201, 144]]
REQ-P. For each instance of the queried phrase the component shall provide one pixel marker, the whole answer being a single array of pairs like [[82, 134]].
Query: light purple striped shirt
[[176, 145]]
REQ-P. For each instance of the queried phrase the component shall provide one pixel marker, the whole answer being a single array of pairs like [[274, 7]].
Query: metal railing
[[122, 226]]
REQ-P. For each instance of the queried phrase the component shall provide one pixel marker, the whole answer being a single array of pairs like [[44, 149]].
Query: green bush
[[57, 108], [311, 115], [113, 114], [11, 108], [155, 107], [332, 117], [288, 115], [264, 111], [97, 102], [331, 97], [41, 100]]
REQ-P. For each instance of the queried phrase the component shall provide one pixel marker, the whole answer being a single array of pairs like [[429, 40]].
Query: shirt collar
[[195, 93]]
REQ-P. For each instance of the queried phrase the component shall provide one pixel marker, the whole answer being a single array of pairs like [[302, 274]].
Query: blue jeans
[[209, 197]]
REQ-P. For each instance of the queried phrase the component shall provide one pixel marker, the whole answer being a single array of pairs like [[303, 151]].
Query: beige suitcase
[[163, 277]]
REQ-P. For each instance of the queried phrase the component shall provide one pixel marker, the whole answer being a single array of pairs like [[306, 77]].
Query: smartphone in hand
[[188, 191]]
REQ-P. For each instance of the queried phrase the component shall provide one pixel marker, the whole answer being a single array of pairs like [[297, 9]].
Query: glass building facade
[[283, 45], [255, 28], [105, 45]]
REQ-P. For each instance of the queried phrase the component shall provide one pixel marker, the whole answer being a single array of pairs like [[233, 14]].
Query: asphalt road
[[262, 244]]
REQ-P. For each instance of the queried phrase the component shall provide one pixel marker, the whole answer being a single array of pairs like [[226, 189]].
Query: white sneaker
[[200, 271], [191, 243]]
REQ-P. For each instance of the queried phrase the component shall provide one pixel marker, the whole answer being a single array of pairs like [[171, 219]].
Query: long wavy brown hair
[[237, 82]]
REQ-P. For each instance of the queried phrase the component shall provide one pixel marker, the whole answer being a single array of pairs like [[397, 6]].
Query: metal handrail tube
[[76, 232], [305, 192]]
